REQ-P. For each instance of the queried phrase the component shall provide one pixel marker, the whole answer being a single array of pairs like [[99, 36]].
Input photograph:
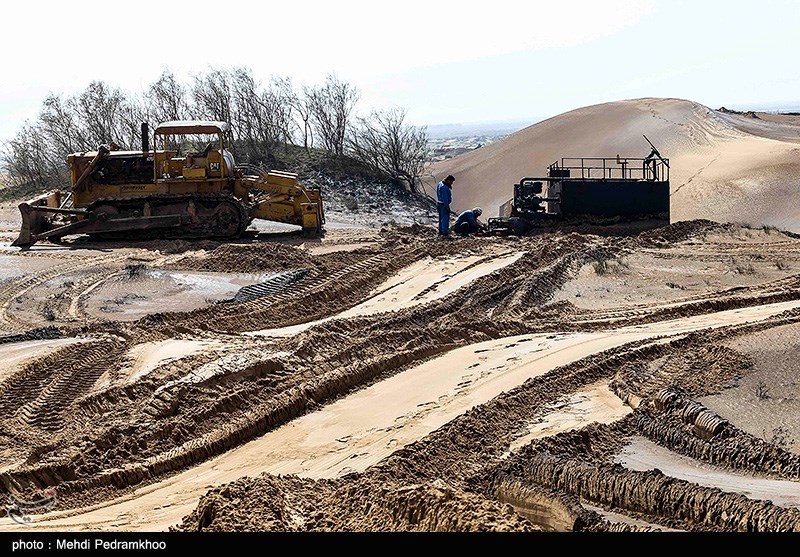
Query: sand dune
[[725, 167]]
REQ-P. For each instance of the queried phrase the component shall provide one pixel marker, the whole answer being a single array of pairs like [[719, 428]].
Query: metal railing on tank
[[653, 168]]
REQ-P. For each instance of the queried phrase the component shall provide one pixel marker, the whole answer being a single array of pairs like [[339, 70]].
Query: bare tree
[[98, 110], [277, 100], [385, 143], [302, 105], [212, 96], [166, 99], [245, 116], [29, 161], [58, 123], [99, 114], [331, 107], [262, 117], [131, 115]]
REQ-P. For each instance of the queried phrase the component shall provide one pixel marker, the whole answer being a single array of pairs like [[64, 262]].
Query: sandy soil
[[360, 430], [650, 277], [643, 454], [422, 282], [724, 167], [433, 375], [594, 404], [14, 354], [613, 517], [330, 248], [766, 402], [146, 357]]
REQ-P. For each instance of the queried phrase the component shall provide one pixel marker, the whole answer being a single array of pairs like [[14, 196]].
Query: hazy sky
[[445, 61]]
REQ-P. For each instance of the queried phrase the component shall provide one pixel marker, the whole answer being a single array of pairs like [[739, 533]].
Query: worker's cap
[[478, 211]]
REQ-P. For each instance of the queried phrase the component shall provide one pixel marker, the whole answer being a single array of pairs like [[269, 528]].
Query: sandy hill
[[726, 167]]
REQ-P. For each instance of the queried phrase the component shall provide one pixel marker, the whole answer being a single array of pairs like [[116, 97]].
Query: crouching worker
[[467, 222]]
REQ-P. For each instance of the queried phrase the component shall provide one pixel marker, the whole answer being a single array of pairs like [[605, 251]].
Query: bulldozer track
[[41, 401], [42, 333], [293, 305], [321, 289], [203, 230], [271, 287]]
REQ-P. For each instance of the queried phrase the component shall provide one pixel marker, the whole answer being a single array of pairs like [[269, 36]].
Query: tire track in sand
[[359, 430]]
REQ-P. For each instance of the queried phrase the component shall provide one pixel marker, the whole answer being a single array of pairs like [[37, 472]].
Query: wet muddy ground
[[386, 379]]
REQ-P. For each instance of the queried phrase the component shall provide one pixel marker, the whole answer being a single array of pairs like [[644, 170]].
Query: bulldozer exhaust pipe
[[145, 138]]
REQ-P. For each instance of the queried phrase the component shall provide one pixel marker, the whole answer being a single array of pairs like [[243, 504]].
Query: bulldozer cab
[[192, 151]]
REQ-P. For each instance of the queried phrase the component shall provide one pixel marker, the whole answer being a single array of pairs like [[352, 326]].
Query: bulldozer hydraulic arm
[[286, 201]]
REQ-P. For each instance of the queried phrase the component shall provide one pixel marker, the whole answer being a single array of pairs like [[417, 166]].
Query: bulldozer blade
[[93, 225], [36, 226], [31, 225]]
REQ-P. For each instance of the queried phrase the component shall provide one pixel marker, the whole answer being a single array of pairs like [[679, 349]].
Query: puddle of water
[[13, 267], [157, 290], [209, 283]]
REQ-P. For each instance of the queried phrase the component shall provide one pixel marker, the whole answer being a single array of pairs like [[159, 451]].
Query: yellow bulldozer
[[188, 186]]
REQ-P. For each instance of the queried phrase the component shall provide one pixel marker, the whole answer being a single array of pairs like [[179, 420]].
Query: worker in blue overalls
[[467, 222], [444, 196]]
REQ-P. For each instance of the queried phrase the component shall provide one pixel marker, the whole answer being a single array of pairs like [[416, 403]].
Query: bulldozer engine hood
[[110, 155]]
